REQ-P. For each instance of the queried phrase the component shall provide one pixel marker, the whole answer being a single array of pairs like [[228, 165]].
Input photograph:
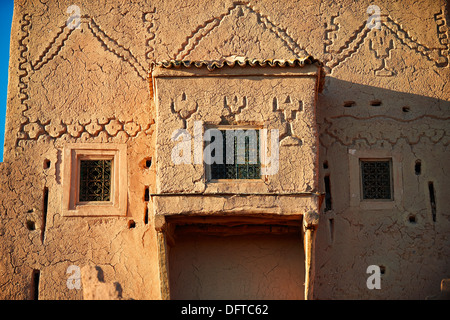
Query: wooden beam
[[235, 220], [163, 265], [225, 230]]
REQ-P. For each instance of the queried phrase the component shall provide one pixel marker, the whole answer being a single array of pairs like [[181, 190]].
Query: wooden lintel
[[223, 231], [236, 220]]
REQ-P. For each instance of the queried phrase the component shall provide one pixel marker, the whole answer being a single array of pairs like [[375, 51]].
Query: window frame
[[355, 174], [73, 153]]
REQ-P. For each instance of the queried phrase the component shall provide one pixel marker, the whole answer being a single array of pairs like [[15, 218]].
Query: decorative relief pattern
[[114, 47], [235, 104], [288, 107], [53, 48], [352, 44], [106, 127], [393, 32], [184, 107], [24, 73], [346, 130], [238, 9], [33, 128], [109, 44], [442, 32], [331, 29], [148, 18], [381, 44], [126, 129]]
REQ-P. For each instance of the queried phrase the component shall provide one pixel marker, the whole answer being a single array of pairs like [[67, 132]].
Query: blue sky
[[6, 12]]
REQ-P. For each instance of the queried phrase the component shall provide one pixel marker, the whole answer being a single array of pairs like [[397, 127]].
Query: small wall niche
[[375, 103], [131, 224], [146, 215], [47, 164], [146, 194], [31, 225], [382, 269], [432, 200], [44, 213], [147, 163], [349, 104], [35, 277], [327, 193], [418, 167]]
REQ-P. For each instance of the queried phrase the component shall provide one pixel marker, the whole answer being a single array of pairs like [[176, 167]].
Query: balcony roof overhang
[[238, 66]]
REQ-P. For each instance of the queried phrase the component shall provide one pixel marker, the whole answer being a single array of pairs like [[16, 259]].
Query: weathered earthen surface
[[95, 287], [386, 92], [210, 267]]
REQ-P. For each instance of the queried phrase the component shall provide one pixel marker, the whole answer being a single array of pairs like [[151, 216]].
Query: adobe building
[[116, 109]]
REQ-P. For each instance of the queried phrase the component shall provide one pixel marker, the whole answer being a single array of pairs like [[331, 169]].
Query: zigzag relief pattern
[[204, 29], [330, 28], [393, 28], [442, 30], [121, 52], [109, 44], [193, 39], [151, 33], [53, 48], [346, 129], [104, 128], [350, 47], [24, 71], [404, 37]]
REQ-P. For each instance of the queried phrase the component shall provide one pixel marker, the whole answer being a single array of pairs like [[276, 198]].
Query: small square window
[[95, 180], [236, 164], [376, 180]]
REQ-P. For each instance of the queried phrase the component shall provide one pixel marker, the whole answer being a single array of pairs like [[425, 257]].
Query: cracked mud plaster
[[91, 84], [209, 105]]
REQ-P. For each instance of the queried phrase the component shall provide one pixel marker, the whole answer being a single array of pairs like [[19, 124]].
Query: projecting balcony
[[271, 102]]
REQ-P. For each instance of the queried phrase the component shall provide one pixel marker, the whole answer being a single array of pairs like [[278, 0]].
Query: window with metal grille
[[95, 180], [237, 164], [376, 179]]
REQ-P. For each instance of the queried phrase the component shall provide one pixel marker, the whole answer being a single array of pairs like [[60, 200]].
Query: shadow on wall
[[409, 238], [348, 111]]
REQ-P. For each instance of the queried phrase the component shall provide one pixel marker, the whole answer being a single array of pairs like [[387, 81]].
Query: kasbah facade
[[105, 194]]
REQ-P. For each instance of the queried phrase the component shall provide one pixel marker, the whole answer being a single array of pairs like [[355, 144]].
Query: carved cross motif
[[184, 107], [381, 44], [235, 105], [288, 106]]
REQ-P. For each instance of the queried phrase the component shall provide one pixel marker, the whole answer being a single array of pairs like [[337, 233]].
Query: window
[[376, 179], [94, 179], [239, 158]]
